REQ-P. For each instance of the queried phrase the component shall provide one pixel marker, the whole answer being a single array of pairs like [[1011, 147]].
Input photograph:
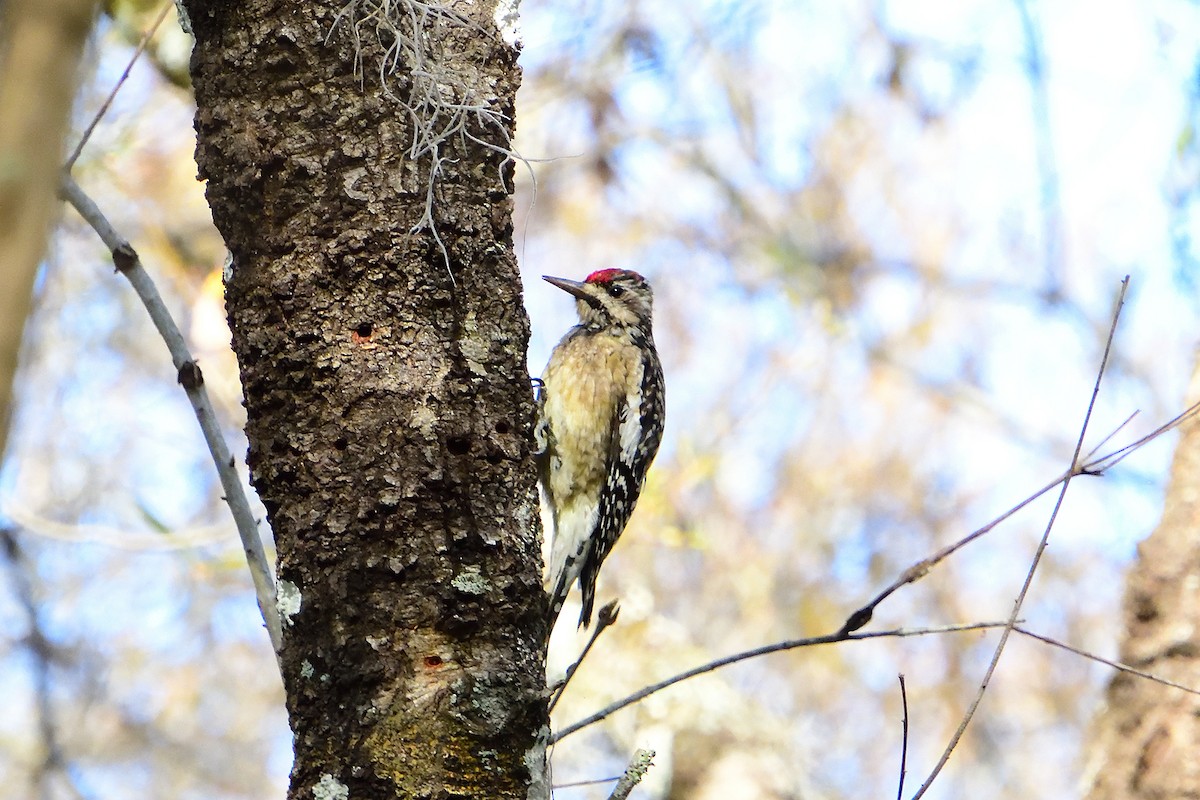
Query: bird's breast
[[586, 381]]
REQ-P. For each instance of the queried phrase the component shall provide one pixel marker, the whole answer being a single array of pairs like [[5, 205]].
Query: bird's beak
[[570, 287]]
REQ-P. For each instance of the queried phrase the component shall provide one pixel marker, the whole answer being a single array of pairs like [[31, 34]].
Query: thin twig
[[592, 782], [189, 375], [919, 570], [1092, 453], [638, 765], [1107, 462], [606, 617], [141, 48], [1102, 660], [1096, 466], [1037, 557], [903, 737], [777, 647]]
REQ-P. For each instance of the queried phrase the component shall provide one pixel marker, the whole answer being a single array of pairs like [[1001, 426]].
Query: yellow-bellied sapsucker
[[601, 410]]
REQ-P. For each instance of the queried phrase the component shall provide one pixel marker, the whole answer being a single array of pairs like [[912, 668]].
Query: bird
[[601, 408]]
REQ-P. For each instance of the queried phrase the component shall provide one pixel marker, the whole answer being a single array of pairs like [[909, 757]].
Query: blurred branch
[[790, 644], [87, 134], [638, 765], [124, 539], [42, 655], [40, 46], [1100, 659], [1075, 469], [1051, 196], [192, 380]]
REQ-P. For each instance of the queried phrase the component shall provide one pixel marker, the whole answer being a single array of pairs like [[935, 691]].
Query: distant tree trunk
[[389, 404], [41, 42], [1146, 743]]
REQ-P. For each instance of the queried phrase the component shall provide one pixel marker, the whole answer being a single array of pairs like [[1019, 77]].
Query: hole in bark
[[1144, 609], [433, 661], [502, 427], [495, 457], [458, 445], [365, 330], [340, 443]]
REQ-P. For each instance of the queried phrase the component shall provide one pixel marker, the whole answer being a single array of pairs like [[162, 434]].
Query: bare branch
[[189, 375], [1100, 659], [920, 569], [790, 644], [592, 782], [1037, 557], [1106, 462], [1097, 466], [141, 48], [1092, 453], [606, 617], [638, 765]]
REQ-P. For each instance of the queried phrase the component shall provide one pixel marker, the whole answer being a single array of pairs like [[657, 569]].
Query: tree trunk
[[1146, 743], [384, 373]]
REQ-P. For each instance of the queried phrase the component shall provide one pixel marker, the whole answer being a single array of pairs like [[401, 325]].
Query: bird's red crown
[[606, 275]]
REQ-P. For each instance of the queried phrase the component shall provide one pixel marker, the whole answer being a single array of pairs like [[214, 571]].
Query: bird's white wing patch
[[630, 432]]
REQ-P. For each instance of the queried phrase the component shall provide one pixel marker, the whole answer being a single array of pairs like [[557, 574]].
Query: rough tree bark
[[1145, 745], [389, 404]]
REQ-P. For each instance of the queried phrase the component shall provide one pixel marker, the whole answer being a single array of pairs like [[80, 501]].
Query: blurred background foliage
[[885, 239]]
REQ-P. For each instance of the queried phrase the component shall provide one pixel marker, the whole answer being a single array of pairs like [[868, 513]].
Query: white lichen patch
[[470, 581], [424, 419], [185, 22], [306, 669], [287, 601], [525, 513], [535, 762], [350, 180], [476, 352], [330, 788]]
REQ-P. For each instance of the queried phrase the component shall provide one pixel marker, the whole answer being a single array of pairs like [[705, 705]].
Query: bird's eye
[[615, 290]]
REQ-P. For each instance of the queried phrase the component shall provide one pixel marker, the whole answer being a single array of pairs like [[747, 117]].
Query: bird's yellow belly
[[581, 406]]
